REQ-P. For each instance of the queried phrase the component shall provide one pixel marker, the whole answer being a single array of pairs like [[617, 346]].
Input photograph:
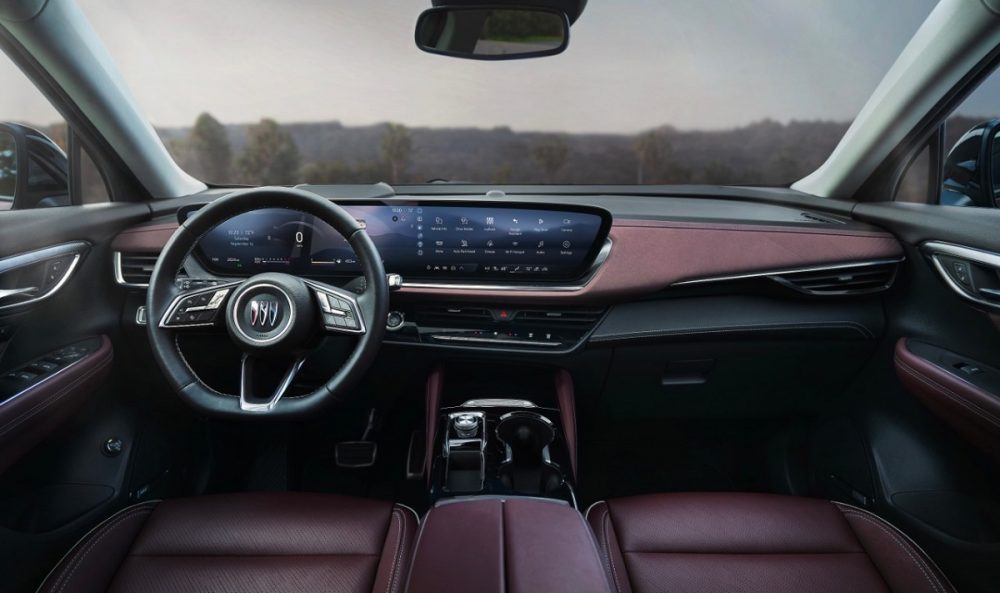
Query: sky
[[631, 64]]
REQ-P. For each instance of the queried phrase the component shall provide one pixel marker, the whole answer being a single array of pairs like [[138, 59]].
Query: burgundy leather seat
[[246, 543], [717, 542]]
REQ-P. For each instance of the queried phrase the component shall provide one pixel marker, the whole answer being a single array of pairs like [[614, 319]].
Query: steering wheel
[[274, 319]]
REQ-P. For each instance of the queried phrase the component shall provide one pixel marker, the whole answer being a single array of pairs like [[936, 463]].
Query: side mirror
[[492, 33], [963, 173], [8, 169], [993, 185], [34, 171]]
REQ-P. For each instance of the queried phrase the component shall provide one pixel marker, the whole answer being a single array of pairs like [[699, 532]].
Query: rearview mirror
[[483, 33]]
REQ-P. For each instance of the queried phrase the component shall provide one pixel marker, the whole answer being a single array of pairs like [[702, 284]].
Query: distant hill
[[765, 153]]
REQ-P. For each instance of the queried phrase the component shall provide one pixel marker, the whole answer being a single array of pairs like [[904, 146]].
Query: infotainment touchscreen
[[461, 241]]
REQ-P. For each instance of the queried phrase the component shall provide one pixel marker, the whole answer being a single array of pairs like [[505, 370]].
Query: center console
[[501, 447], [501, 471]]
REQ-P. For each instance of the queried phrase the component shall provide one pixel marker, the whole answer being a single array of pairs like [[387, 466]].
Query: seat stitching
[[84, 552], [945, 391], [607, 548], [915, 558], [397, 515]]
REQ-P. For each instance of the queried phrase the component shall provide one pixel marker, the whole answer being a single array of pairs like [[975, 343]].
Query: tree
[[550, 153], [209, 143], [651, 149], [270, 157], [397, 148]]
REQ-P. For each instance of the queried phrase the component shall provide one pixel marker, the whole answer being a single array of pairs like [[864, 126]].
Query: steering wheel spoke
[[249, 402], [341, 311], [198, 308]]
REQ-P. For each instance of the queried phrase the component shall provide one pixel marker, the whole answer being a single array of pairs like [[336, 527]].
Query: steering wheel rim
[[162, 293]]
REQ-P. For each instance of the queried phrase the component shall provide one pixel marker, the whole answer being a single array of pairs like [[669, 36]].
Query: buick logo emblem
[[264, 313]]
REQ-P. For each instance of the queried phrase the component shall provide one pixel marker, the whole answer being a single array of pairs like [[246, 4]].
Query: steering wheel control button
[[339, 311], [197, 309]]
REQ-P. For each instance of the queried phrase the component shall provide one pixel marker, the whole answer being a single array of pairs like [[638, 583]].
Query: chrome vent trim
[[853, 280], [777, 274], [132, 273]]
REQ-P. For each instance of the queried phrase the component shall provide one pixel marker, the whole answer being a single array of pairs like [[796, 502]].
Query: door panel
[[963, 392], [932, 404], [58, 405]]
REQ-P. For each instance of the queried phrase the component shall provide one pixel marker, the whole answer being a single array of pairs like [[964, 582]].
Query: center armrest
[[506, 545]]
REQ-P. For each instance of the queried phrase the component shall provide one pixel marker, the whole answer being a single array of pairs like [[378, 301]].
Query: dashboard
[[418, 240]]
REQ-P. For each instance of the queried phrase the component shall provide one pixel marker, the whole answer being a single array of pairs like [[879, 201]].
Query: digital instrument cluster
[[415, 240]]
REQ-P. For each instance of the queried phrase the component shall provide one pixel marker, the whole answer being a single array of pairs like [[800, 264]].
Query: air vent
[[813, 217], [134, 269], [847, 280], [560, 317]]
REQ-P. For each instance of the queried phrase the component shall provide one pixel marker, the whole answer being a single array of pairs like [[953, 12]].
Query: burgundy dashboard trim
[[432, 400], [647, 256], [147, 238], [566, 398]]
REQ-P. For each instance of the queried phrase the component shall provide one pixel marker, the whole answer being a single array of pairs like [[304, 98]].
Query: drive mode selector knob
[[466, 425], [394, 320]]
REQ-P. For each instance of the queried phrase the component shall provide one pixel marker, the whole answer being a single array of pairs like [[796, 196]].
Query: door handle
[[972, 273]]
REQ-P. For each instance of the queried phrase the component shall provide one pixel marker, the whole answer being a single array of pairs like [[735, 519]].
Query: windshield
[[335, 91]]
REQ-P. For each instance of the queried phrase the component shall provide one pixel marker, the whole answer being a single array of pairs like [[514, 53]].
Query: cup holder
[[527, 469]]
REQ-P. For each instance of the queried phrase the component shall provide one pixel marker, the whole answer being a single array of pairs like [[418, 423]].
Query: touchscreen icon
[[438, 220], [541, 244], [490, 221]]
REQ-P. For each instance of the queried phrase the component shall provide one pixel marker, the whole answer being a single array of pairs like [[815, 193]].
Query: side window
[[36, 163], [970, 175]]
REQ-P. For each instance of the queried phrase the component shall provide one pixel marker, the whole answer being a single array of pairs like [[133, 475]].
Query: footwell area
[[638, 457], [300, 457]]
